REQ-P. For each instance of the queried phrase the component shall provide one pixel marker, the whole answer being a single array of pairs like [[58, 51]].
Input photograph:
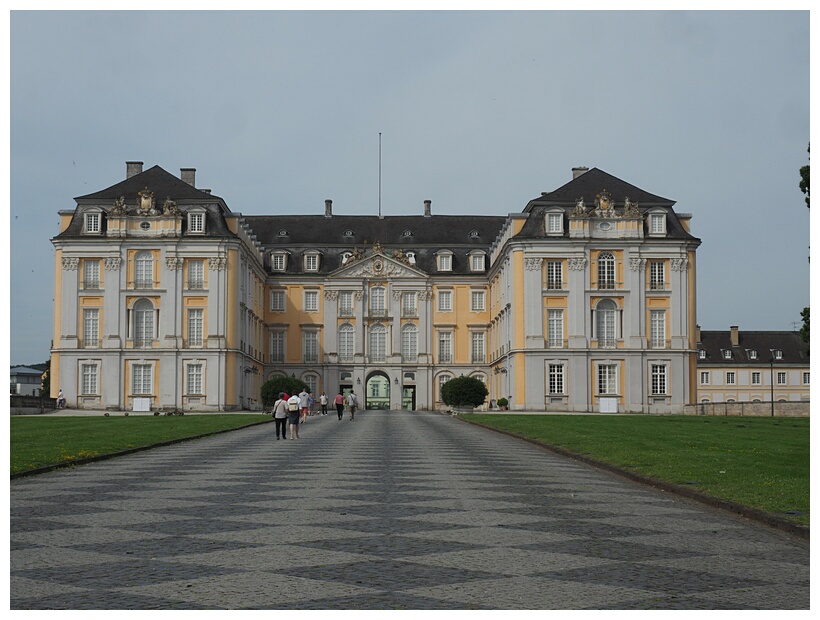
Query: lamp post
[[775, 354]]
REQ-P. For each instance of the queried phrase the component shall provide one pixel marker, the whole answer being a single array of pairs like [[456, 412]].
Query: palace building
[[165, 299]]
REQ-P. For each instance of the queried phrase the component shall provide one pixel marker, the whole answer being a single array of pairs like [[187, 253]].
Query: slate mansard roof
[[715, 343]]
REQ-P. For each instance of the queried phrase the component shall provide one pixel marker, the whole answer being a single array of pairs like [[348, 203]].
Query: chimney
[[578, 171], [427, 204], [328, 208], [697, 333], [188, 175], [132, 168], [735, 336]]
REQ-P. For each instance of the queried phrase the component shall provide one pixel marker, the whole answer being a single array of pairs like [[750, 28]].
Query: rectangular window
[[196, 274], [346, 303], [408, 305], [445, 347], [555, 275], [193, 380], [92, 222], [477, 262], [659, 379], [607, 382], [311, 347], [656, 276], [91, 275], [311, 301], [141, 379], [705, 377], [277, 301], [657, 329], [277, 346], [91, 328], [756, 378], [409, 344], [477, 345], [556, 379], [312, 262], [781, 378], [196, 222], [806, 377], [195, 327], [445, 262], [555, 223], [378, 343], [278, 262], [347, 337], [656, 223], [477, 301], [555, 329], [89, 379], [445, 301], [730, 378], [377, 301]]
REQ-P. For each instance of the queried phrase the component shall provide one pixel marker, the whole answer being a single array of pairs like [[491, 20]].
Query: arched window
[[605, 323], [378, 343], [409, 343], [347, 340], [606, 271], [143, 323], [144, 270]]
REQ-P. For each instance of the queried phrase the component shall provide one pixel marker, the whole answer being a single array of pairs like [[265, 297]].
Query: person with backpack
[[352, 403], [293, 415], [304, 404], [280, 415]]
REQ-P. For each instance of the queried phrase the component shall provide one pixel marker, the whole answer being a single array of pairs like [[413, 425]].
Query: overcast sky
[[478, 112]]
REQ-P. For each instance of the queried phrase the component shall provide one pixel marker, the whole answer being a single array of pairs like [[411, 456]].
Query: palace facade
[[165, 299]]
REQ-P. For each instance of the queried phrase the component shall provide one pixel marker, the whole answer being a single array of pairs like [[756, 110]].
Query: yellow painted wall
[[58, 306], [232, 307]]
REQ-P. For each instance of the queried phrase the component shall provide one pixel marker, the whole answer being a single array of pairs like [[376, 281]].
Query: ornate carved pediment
[[377, 265], [604, 206]]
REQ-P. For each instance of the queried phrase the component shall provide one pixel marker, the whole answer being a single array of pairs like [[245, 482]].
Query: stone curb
[[103, 457], [771, 520]]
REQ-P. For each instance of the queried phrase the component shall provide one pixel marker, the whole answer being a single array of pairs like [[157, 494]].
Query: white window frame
[[312, 261], [91, 274], [277, 346], [91, 328], [657, 223], [606, 324], [657, 329], [409, 304], [346, 303], [142, 378], [657, 275], [377, 340], [196, 222], [477, 301], [445, 301], [556, 383], [659, 379], [92, 222], [782, 377], [144, 270], [606, 271], [346, 342], [144, 323], [196, 274], [409, 343], [757, 378], [194, 379], [310, 346], [278, 261], [196, 327], [607, 384], [378, 301], [477, 262], [478, 347], [89, 379], [731, 378], [705, 377], [278, 300], [445, 347], [311, 301], [555, 328], [555, 275], [444, 261], [555, 223], [806, 377]]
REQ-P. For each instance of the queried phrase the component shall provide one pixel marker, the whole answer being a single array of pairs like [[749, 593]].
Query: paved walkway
[[389, 511]]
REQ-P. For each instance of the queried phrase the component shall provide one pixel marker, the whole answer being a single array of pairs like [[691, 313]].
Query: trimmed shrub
[[464, 392]]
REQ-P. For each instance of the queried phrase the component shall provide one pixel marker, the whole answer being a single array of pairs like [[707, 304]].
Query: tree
[[45, 383], [804, 179], [272, 387], [804, 331], [464, 392]]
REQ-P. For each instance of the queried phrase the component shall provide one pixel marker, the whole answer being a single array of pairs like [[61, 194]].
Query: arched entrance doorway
[[377, 391]]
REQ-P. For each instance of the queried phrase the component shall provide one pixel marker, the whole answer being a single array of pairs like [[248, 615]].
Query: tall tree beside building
[[804, 179]]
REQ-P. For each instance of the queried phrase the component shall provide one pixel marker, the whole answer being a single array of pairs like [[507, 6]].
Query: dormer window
[[407, 233], [283, 233], [702, 354], [657, 223], [555, 223], [477, 261], [727, 354], [348, 233], [279, 261], [346, 257], [473, 234], [444, 260], [196, 222], [312, 261], [752, 354], [92, 222]]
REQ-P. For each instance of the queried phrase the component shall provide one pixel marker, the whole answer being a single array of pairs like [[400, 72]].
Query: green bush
[[464, 392], [502, 402], [272, 387]]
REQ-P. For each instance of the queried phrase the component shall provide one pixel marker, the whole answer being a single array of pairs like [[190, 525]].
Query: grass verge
[[37, 442], [762, 463]]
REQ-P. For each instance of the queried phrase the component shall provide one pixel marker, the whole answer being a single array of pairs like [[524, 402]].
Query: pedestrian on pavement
[[352, 402], [304, 403], [323, 401], [293, 415], [339, 401], [311, 403], [60, 400], [280, 415]]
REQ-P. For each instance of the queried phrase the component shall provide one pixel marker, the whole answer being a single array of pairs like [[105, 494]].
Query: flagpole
[[380, 174]]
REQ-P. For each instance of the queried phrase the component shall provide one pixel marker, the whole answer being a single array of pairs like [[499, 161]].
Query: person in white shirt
[[323, 402], [352, 403], [293, 415], [280, 415]]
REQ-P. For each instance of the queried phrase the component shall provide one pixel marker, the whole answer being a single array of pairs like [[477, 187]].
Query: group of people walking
[[291, 411]]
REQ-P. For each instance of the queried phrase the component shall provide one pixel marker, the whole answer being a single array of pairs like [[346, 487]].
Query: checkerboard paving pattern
[[390, 511]]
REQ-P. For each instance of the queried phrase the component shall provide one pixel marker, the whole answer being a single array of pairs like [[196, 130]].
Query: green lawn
[[762, 463], [42, 441]]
